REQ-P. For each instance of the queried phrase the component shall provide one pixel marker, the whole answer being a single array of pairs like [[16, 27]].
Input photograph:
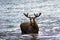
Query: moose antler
[[37, 15], [26, 14]]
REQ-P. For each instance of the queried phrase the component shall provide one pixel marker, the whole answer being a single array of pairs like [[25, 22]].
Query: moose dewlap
[[30, 27]]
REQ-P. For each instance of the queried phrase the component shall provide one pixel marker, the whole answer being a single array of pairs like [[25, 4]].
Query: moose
[[30, 27]]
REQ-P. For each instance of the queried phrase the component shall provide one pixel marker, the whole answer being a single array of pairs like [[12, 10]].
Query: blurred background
[[11, 16]]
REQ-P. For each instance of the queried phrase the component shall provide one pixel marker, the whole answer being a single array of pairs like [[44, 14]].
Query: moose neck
[[32, 22]]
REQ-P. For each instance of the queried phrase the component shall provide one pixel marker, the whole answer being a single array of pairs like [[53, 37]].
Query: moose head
[[30, 27]]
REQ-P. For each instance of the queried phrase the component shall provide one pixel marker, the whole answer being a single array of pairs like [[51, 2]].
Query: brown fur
[[29, 27]]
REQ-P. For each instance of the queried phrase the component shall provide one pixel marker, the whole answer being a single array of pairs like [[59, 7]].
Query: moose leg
[[35, 30], [24, 30]]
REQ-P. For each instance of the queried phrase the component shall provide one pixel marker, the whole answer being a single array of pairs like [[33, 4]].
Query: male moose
[[30, 27]]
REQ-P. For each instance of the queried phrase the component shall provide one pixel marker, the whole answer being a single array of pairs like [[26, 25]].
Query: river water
[[11, 16]]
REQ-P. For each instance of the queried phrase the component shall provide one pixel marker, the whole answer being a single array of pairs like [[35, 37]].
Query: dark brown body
[[29, 27]]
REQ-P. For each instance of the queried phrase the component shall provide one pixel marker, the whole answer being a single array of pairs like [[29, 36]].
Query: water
[[11, 16]]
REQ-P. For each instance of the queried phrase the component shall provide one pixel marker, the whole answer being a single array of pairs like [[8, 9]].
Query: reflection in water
[[34, 37], [29, 37]]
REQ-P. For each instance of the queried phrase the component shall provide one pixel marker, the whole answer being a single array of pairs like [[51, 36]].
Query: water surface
[[11, 16]]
